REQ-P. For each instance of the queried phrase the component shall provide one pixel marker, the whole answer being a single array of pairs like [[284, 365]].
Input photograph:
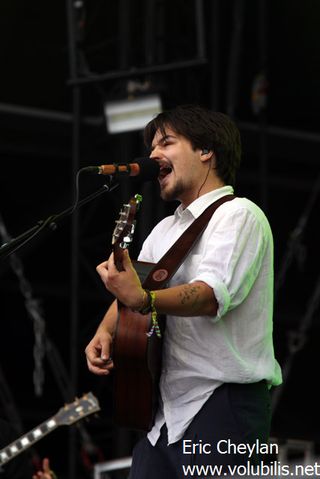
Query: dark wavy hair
[[204, 129]]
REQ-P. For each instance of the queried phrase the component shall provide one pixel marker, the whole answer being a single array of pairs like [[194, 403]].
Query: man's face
[[181, 167]]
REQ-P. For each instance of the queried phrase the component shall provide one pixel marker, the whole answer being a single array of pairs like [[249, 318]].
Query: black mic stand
[[296, 341], [294, 242], [49, 223], [298, 338]]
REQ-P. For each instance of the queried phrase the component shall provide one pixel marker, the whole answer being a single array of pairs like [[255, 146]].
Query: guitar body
[[137, 359]]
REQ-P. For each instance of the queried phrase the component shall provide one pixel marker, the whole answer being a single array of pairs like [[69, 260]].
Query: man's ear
[[207, 154]]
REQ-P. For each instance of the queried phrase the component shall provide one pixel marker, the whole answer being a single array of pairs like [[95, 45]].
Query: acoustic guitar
[[136, 353], [67, 415]]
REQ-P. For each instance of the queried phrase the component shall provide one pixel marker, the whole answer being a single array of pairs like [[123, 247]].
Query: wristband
[[148, 307], [144, 296]]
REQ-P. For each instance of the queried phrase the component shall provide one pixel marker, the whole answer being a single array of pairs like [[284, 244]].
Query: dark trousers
[[235, 414]]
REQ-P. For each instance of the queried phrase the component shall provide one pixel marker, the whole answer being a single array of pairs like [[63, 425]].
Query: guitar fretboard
[[27, 440]]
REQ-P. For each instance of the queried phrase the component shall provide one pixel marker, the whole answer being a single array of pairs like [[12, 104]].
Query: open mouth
[[164, 172]]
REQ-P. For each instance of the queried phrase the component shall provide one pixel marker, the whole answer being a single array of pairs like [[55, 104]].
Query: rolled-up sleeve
[[233, 256]]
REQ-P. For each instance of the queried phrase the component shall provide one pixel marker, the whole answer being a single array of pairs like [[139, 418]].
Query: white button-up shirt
[[234, 256]]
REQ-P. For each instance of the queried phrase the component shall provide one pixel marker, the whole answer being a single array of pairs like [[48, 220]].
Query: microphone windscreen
[[149, 169]]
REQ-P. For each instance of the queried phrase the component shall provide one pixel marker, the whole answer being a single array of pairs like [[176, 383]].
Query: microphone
[[145, 168]]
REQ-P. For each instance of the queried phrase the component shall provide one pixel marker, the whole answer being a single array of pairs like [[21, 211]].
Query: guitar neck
[[27, 440], [66, 415], [118, 257]]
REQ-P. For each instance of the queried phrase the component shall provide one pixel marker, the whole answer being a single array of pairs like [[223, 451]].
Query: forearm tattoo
[[190, 296]]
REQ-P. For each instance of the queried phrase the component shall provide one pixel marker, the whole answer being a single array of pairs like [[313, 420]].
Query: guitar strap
[[166, 267]]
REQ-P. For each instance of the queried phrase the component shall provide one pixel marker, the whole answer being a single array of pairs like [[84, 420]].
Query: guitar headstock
[[125, 225], [82, 407]]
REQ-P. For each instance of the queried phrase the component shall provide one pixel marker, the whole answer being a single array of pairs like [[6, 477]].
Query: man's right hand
[[98, 353]]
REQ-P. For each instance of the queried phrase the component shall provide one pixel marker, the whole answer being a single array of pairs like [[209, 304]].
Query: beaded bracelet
[[150, 308], [155, 325]]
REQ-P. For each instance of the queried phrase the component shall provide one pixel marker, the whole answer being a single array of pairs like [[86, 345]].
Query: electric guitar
[[67, 415], [136, 354]]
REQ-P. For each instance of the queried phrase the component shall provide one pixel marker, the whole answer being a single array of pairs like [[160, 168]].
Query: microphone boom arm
[[50, 223]]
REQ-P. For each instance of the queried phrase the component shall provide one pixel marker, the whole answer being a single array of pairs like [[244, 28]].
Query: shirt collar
[[200, 204]]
